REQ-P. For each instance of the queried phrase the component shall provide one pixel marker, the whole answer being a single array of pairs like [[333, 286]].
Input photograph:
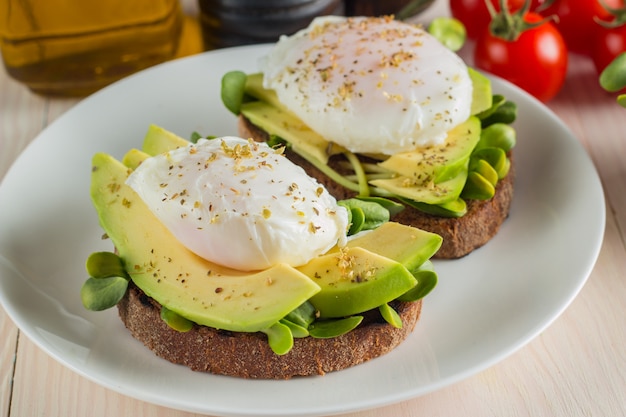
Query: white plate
[[486, 306]]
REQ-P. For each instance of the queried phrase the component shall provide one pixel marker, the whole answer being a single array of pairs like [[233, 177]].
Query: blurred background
[[75, 47]]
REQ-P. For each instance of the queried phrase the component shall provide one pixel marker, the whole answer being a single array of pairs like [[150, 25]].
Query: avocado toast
[[352, 303]]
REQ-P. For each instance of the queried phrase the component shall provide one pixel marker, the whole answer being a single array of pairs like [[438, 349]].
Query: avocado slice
[[281, 122], [405, 244], [159, 140], [133, 158], [440, 162], [194, 288], [482, 97], [354, 280], [254, 87], [429, 193]]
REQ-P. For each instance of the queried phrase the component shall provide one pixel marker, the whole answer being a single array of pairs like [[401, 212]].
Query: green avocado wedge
[[196, 289], [281, 122], [354, 280], [405, 244], [159, 140], [429, 193], [438, 163], [254, 87], [482, 98]]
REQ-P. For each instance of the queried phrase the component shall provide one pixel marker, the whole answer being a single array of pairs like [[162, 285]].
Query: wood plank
[[8, 351]]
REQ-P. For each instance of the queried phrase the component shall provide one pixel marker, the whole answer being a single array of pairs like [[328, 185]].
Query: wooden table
[[577, 367]]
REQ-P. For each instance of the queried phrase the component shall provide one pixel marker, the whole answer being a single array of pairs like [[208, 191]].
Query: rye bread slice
[[248, 355], [460, 235]]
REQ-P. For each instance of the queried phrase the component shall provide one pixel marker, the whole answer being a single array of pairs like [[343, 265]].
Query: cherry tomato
[[475, 15], [576, 20], [536, 61], [607, 44]]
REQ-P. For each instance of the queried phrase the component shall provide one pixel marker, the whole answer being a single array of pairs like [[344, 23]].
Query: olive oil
[[75, 47]]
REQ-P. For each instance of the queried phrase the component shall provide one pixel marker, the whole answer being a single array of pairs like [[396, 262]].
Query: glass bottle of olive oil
[[75, 47]]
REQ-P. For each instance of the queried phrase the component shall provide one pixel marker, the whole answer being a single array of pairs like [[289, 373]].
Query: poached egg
[[370, 84], [240, 204]]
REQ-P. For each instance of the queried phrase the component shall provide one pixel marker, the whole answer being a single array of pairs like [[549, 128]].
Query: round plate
[[486, 306]]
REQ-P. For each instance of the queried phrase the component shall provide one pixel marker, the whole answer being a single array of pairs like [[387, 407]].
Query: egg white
[[240, 204], [372, 85]]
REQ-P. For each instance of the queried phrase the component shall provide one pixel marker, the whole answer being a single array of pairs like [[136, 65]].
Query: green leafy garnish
[[390, 315], [478, 187], [356, 219], [107, 282], [501, 111], [326, 329], [99, 294], [454, 208], [233, 90], [280, 338], [296, 330], [498, 135], [303, 316], [175, 320], [426, 281], [275, 141], [391, 206], [366, 215], [104, 265], [195, 137], [496, 157]]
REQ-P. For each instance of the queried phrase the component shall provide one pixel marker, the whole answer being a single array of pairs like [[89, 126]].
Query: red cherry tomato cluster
[[476, 17], [536, 57]]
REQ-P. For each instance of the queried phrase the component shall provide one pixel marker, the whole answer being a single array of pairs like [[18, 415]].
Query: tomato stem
[[544, 6], [509, 26], [618, 16]]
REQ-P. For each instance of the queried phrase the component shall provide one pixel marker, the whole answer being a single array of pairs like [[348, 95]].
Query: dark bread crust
[[460, 235], [248, 355]]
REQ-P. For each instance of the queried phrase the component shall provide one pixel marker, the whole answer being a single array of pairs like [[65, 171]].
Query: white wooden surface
[[577, 367]]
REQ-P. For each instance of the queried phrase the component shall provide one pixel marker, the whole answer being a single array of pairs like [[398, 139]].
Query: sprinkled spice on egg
[[240, 204]]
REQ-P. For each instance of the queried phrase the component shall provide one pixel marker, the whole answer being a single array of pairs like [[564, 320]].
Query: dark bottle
[[228, 23]]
